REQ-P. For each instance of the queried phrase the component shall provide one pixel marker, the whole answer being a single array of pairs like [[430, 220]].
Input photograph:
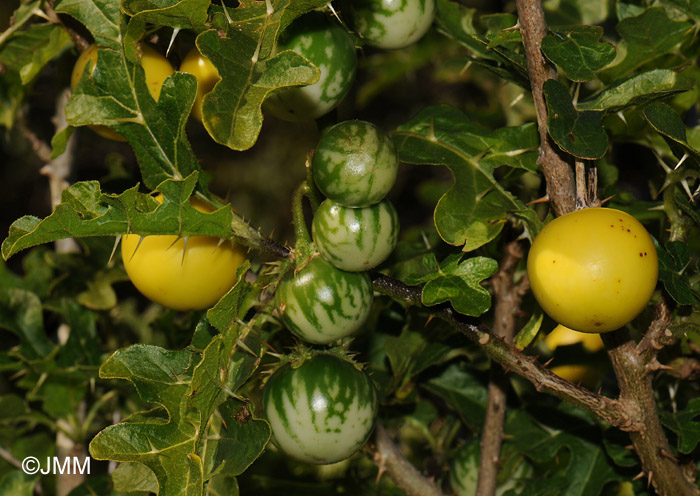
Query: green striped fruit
[[464, 471], [321, 304], [322, 411], [390, 23], [355, 164], [330, 48], [355, 239]]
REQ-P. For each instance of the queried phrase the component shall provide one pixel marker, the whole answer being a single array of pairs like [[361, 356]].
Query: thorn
[[114, 249], [651, 476], [506, 370], [668, 455], [465, 68], [546, 364], [137, 247], [680, 162], [622, 117], [516, 100], [629, 447], [430, 319], [638, 476], [544, 199], [684, 183], [172, 39], [607, 199]]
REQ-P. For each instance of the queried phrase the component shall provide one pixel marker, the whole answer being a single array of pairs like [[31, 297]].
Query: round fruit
[[321, 304], [207, 76], [182, 275], [330, 48], [155, 66], [578, 374], [355, 164], [563, 336], [593, 270], [321, 412], [464, 470], [390, 23], [355, 239]]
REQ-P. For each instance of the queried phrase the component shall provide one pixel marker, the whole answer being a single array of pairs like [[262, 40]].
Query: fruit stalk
[[558, 174], [508, 297]]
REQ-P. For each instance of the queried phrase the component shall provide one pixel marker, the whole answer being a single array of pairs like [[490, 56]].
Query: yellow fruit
[[156, 67], [178, 277], [563, 336], [593, 270], [577, 374], [207, 76]]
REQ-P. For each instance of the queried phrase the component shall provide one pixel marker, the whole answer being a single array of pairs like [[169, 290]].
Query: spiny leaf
[[172, 13], [29, 51], [665, 121], [116, 95], [578, 133], [250, 69], [459, 282], [637, 90], [497, 50], [684, 424], [86, 211], [188, 386], [21, 313], [578, 51], [646, 37], [475, 208], [101, 17]]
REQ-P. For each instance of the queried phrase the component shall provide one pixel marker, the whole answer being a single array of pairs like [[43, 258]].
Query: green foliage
[[175, 397]]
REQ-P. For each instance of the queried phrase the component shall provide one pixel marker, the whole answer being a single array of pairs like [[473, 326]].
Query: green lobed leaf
[[21, 313], [29, 51], [172, 13], [690, 7], [665, 121], [646, 37], [577, 133], [474, 209], [17, 483], [101, 17], [86, 211], [683, 423], [587, 470], [637, 90], [497, 50], [463, 392], [459, 282], [250, 69], [411, 353], [529, 331], [116, 95], [189, 387], [578, 51], [674, 258], [132, 477]]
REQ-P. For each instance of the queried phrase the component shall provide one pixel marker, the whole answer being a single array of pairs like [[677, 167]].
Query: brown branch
[[635, 383], [558, 174], [615, 412], [508, 297], [389, 459]]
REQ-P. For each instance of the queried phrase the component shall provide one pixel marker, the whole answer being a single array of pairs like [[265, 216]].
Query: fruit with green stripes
[[355, 163], [355, 239], [322, 411], [321, 304], [390, 23], [330, 48]]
